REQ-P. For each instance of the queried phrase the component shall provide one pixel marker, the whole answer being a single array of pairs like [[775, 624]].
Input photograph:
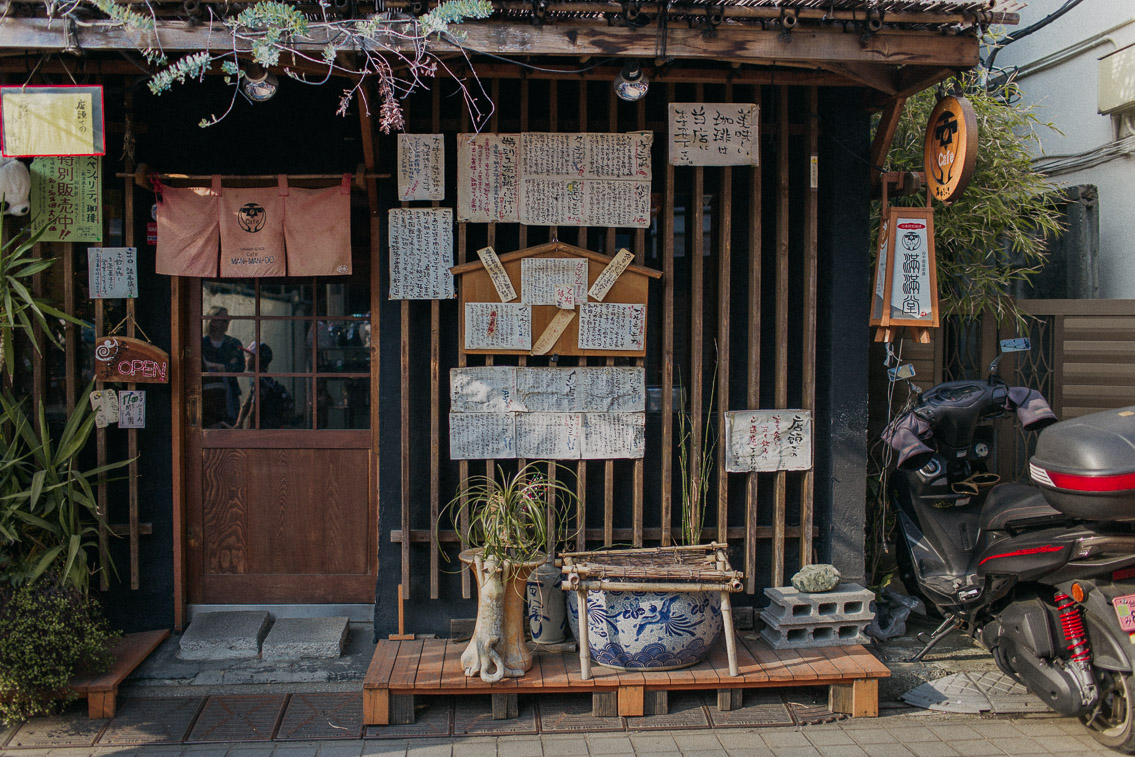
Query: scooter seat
[[1010, 504]]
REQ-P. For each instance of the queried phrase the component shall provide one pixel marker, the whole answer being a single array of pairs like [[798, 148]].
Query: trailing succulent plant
[[356, 49]]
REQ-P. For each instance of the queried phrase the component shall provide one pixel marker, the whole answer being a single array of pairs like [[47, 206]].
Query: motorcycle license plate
[[1125, 611]]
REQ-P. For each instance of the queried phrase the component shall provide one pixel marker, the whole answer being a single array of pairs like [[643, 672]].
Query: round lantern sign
[[950, 148]]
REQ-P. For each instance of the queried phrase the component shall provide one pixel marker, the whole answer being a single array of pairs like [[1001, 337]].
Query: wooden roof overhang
[[893, 47]]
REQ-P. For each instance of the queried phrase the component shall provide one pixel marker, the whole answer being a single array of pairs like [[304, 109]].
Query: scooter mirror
[[1021, 344]]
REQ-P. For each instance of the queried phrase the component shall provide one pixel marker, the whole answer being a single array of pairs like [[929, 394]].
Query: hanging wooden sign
[[120, 358], [906, 279], [950, 148]]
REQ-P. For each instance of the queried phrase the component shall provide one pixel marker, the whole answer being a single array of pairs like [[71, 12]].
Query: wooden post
[[859, 699]]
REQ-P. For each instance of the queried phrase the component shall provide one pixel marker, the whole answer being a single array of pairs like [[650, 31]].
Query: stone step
[[302, 638], [228, 635]]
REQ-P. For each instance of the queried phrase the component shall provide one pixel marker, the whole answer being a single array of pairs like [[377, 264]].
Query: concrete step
[[302, 638], [231, 635]]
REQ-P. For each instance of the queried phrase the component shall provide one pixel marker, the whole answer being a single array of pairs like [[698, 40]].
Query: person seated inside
[[277, 408]]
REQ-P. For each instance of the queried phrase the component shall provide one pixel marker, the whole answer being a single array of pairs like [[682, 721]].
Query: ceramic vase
[[547, 615], [498, 648]]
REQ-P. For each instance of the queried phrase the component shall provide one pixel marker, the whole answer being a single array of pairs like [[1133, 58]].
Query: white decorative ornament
[[15, 185]]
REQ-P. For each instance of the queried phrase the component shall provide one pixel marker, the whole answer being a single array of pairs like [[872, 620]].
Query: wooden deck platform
[[101, 689], [401, 670]]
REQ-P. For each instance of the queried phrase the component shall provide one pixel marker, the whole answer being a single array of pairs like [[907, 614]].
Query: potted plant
[[659, 629], [511, 522]]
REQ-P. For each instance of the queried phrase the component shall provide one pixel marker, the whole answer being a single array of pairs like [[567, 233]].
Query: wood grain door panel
[[285, 524]]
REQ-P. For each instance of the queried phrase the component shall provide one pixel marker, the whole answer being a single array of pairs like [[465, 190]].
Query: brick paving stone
[[977, 748], [384, 748], [602, 744], [1045, 726], [696, 742], [652, 744], [878, 736], [1064, 744], [739, 739], [204, 750], [750, 752], [519, 746], [887, 750], [429, 748], [253, 750], [569, 746], [1020, 746], [297, 749], [996, 729], [352, 748], [796, 751], [907, 734], [932, 749], [842, 750], [828, 737], [475, 747], [783, 737], [954, 732], [705, 753]]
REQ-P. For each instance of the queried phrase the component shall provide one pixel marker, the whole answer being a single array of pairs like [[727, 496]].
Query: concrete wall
[[1058, 71]]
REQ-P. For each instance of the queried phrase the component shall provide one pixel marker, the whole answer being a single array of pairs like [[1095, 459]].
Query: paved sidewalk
[[896, 733]]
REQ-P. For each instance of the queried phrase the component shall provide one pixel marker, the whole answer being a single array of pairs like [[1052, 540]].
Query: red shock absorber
[[1072, 623]]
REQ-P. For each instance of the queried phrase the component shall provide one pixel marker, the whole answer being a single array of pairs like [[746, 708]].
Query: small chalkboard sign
[[120, 358]]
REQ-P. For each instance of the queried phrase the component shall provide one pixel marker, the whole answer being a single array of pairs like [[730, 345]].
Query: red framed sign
[[906, 275], [64, 120]]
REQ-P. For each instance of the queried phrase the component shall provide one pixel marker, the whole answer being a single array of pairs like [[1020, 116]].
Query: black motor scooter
[[1042, 575]]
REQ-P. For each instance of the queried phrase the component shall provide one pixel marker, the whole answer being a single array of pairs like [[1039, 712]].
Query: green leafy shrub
[[49, 632]]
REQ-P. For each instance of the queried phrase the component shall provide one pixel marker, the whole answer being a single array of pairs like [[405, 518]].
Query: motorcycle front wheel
[[1112, 721]]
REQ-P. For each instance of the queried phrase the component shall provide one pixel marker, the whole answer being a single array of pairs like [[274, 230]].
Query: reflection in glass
[[344, 346], [343, 403], [221, 352], [238, 296], [343, 298], [287, 298], [290, 349], [272, 404]]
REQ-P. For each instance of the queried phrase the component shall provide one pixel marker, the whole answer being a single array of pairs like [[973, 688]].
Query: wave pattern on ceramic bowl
[[648, 629]]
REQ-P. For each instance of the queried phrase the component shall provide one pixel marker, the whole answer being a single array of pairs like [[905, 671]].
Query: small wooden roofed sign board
[[610, 328]]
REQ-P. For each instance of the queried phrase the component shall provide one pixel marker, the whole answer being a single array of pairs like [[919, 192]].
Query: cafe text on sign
[[119, 358]]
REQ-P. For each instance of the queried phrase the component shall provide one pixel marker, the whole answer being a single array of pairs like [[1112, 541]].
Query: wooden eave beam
[[880, 78], [884, 135], [735, 43]]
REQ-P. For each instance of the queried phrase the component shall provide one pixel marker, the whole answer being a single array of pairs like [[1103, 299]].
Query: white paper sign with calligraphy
[[421, 167], [911, 292], [482, 389], [613, 435], [488, 178], [66, 199], [541, 280], [421, 254], [612, 326], [714, 134], [768, 440], [498, 326], [52, 120], [548, 436], [131, 409], [482, 436], [112, 272]]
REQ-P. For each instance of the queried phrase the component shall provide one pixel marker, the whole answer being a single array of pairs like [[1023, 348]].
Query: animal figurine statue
[[15, 186]]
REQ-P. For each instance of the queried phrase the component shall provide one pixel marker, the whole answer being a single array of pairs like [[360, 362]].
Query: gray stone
[[816, 578], [234, 635], [300, 638]]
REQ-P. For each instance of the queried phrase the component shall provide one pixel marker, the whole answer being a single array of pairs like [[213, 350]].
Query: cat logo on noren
[[251, 217]]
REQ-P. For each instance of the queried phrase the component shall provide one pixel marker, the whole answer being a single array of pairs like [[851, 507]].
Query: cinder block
[[848, 603], [819, 635]]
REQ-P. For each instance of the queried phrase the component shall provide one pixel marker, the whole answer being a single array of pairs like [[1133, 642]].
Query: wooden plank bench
[[401, 670], [101, 689]]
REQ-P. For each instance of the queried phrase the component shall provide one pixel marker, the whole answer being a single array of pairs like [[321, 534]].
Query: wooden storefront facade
[[762, 303]]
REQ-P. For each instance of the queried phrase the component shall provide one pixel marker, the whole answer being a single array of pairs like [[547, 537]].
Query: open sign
[[120, 358]]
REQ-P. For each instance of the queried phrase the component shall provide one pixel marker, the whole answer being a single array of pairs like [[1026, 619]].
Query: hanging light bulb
[[631, 84], [259, 84]]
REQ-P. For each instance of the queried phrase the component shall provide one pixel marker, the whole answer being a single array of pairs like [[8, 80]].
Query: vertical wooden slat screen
[[463, 465], [753, 395], [691, 303], [70, 333], [101, 490], [131, 434], [782, 262]]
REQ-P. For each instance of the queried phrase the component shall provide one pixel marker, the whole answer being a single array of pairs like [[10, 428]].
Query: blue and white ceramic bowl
[[649, 629]]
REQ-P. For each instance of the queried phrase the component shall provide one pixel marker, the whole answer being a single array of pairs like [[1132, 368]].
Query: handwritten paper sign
[[613, 435], [421, 253], [66, 199], [131, 409], [911, 290], [612, 326], [498, 326], [612, 389], [482, 389], [482, 436], [501, 282], [58, 120], [548, 436], [421, 167], [714, 134], [488, 178], [540, 278], [120, 358], [112, 272], [552, 332], [610, 274], [768, 440], [105, 404], [538, 179]]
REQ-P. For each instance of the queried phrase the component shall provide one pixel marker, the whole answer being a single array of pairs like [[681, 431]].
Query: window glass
[[344, 347], [343, 298], [236, 296], [343, 402], [285, 298], [287, 346]]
